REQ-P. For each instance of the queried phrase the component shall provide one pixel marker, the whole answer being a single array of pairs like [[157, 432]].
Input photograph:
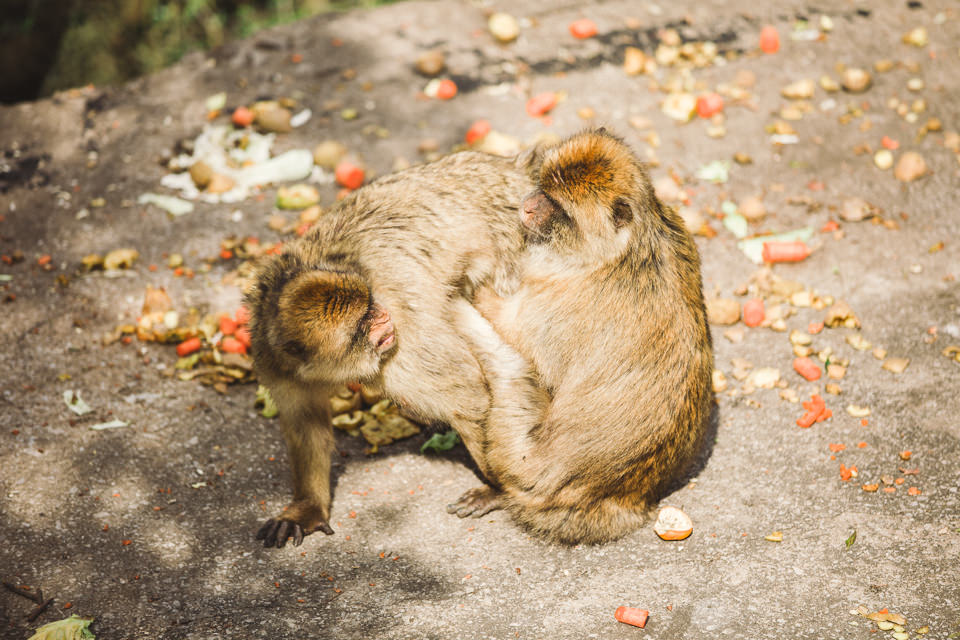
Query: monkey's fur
[[610, 315], [366, 295]]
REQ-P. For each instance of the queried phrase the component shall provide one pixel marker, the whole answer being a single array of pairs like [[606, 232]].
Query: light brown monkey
[[610, 314], [366, 295]]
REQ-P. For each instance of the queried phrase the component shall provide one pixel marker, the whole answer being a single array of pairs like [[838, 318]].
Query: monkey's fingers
[[477, 502], [265, 529], [323, 526]]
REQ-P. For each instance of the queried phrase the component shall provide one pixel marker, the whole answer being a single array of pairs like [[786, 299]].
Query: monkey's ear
[[317, 305], [622, 213]]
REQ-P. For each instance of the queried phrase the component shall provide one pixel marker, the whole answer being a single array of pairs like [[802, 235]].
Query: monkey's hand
[[300, 519], [477, 502]]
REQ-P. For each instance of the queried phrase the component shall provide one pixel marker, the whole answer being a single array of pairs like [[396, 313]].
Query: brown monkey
[[366, 295], [610, 314]]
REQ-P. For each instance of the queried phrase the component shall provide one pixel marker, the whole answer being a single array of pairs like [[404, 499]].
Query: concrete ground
[[189, 481]]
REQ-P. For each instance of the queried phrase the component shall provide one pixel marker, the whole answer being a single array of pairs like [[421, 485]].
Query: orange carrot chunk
[[243, 336], [228, 326], [541, 104], [477, 131], [348, 175], [753, 313], [187, 347], [232, 345], [242, 315], [631, 615], [794, 251], [446, 89], [583, 28], [769, 39], [242, 117], [709, 104], [806, 368]]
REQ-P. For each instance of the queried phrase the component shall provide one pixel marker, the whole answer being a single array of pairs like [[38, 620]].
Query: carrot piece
[[889, 143], [837, 447], [845, 473], [187, 347], [232, 345], [914, 491], [242, 315], [541, 103], [446, 89], [348, 175], [769, 39], [44, 259], [228, 326], [709, 104], [477, 131], [806, 368], [828, 226], [243, 336], [794, 251], [631, 615], [814, 328], [753, 313], [583, 28], [806, 420], [242, 117]]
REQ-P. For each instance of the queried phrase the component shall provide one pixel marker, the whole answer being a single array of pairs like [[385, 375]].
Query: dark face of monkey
[[324, 326]]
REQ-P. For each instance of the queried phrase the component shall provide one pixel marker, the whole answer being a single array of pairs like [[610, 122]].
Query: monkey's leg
[[305, 421], [517, 408]]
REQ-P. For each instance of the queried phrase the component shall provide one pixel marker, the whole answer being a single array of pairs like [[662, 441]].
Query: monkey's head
[[591, 188], [320, 325]]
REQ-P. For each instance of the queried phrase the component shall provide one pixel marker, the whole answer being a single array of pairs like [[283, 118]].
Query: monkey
[[600, 363], [365, 295]]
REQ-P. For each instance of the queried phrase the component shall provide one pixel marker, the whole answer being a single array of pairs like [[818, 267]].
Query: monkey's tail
[[597, 522]]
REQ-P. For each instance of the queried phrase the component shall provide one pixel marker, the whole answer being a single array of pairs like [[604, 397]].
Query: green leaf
[[441, 442], [851, 539], [72, 628]]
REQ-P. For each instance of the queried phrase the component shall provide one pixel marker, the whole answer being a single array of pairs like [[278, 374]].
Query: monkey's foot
[[477, 502], [299, 520]]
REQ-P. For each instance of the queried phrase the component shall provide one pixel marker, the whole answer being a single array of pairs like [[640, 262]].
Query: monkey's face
[[327, 328]]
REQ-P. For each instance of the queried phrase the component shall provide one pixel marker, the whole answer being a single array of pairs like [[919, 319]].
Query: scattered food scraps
[[72, 628], [631, 615], [583, 28], [673, 524], [113, 424], [75, 403], [440, 442]]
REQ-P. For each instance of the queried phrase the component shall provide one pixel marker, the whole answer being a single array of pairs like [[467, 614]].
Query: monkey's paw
[[299, 520], [477, 502]]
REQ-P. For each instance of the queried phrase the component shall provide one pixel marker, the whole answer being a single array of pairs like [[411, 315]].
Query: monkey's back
[[629, 360]]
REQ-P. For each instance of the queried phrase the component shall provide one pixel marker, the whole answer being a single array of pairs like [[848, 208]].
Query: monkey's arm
[[304, 416], [517, 406]]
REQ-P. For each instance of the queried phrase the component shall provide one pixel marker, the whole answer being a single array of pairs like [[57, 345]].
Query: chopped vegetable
[[72, 628], [583, 28], [187, 347], [477, 131], [541, 103], [753, 313], [349, 175], [673, 524], [709, 104], [806, 368], [441, 442], [769, 39], [794, 251], [242, 117], [631, 615]]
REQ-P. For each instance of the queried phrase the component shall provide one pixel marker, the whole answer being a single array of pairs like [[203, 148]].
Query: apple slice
[[673, 524]]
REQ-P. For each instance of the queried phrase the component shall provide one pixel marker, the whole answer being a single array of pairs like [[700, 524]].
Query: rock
[[752, 208], [856, 209], [504, 27], [856, 80], [723, 311], [328, 153], [431, 63], [799, 90], [910, 166]]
